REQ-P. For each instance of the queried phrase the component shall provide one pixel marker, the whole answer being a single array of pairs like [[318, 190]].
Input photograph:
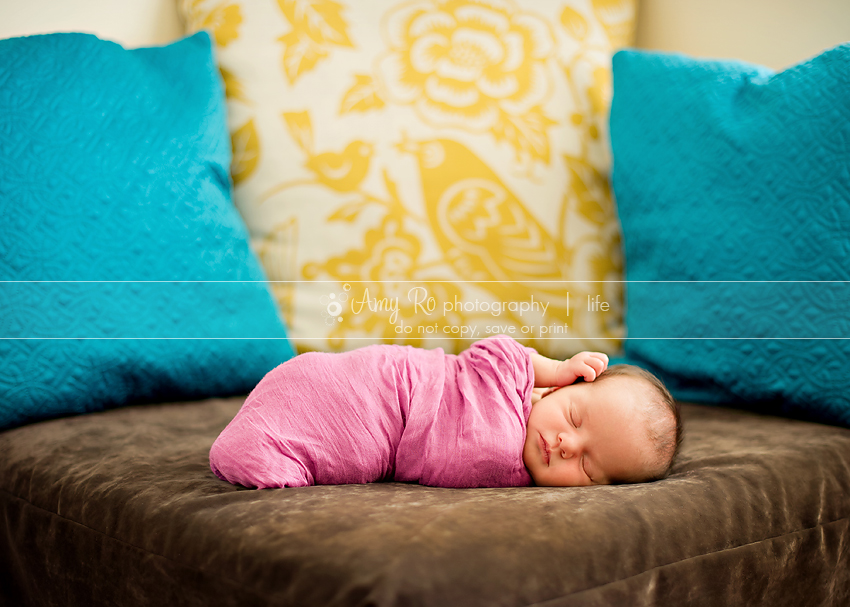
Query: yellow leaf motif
[[300, 54], [617, 18], [526, 133], [246, 152], [321, 20], [233, 88], [600, 91], [348, 212], [591, 189], [574, 23], [607, 265], [224, 21], [301, 129], [392, 189], [382, 268], [361, 97]]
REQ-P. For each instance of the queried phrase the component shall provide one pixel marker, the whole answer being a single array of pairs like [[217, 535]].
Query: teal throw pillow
[[732, 183], [125, 270]]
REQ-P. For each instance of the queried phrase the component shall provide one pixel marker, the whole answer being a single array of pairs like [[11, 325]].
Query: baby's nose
[[567, 445]]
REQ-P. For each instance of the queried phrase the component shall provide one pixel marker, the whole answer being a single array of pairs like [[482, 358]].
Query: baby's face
[[589, 434]]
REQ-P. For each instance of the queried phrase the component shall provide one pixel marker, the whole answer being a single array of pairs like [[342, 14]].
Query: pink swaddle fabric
[[385, 413]]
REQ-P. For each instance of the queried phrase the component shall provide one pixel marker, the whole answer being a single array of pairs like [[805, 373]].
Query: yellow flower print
[[317, 26], [381, 274], [389, 255], [575, 23], [479, 65], [342, 170], [487, 234], [246, 152], [617, 18], [222, 19]]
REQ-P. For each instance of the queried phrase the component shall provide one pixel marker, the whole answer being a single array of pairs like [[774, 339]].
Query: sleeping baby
[[496, 415]]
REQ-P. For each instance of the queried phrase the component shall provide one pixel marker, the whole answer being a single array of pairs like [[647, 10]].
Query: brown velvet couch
[[121, 508]]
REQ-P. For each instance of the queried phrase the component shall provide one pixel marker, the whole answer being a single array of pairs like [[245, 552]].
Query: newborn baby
[[478, 419]]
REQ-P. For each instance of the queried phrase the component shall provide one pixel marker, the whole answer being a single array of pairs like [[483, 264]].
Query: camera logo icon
[[333, 305]]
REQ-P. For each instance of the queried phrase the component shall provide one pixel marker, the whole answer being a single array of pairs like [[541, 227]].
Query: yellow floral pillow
[[429, 171]]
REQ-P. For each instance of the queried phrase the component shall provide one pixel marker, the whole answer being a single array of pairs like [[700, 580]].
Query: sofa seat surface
[[121, 508]]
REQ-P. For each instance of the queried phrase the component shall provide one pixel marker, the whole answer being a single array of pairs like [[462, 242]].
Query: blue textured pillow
[[725, 171], [114, 171]]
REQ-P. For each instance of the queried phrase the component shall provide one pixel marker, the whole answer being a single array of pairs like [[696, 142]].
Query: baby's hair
[[662, 407]]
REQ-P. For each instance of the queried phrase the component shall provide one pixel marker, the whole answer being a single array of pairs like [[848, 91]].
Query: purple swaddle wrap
[[385, 413]]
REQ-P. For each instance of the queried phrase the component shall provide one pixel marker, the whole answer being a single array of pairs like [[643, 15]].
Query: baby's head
[[624, 427]]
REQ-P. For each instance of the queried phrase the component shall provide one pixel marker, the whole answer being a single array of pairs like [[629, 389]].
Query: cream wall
[[776, 33], [129, 22]]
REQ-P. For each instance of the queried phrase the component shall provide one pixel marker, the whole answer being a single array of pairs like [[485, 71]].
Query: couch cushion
[[127, 274], [733, 190], [121, 508]]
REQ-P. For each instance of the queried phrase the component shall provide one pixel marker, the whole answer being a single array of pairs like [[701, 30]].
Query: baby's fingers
[[592, 370], [591, 364], [602, 358]]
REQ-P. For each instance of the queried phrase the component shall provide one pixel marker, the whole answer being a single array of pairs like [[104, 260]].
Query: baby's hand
[[588, 365], [550, 373]]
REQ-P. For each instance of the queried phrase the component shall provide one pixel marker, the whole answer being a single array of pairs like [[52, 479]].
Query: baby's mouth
[[544, 448]]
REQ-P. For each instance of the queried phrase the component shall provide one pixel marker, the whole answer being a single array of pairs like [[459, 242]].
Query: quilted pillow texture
[[127, 275], [735, 180], [446, 150]]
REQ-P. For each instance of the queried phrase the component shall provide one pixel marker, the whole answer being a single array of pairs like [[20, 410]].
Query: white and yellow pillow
[[460, 144]]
